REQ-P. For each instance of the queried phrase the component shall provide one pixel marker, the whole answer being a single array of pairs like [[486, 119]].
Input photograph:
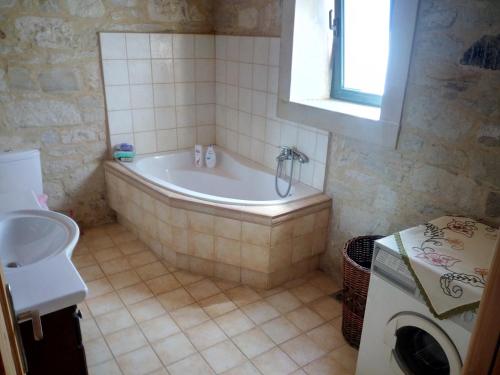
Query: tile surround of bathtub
[[247, 71], [262, 255], [160, 90]]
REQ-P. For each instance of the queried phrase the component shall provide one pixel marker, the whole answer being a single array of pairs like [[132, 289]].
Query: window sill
[[346, 108], [356, 121]]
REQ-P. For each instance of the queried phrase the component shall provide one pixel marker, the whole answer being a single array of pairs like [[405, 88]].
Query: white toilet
[[21, 183]]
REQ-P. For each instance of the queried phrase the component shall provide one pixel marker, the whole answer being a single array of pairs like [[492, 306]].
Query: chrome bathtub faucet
[[291, 153]]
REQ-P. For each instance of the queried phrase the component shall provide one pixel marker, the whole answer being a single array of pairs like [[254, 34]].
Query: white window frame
[[362, 122]]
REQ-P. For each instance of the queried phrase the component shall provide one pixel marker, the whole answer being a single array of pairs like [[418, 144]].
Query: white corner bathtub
[[235, 180]]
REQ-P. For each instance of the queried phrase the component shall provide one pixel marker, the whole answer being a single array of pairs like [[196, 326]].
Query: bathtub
[[234, 180]]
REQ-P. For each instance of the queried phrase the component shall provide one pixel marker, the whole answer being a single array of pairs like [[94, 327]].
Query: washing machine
[[400, 334]]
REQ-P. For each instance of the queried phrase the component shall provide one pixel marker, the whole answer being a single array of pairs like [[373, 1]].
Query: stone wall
[[448, 155], [51, 94]]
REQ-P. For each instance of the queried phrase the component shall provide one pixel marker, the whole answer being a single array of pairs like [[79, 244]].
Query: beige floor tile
[[114, 321], [302, 372], [139, 362], [326, 365], [159, 328], [124, 279], [142, 258], [217, 305], [80, 249], [82, 261], [135, 293], [294, 283], [223, 356], [121, 238], [264, 293], [98, 288], [161, 371], [274, 362], [280, 330], [163, 284], [326, 284], [107, 254], [307, 293], [192, 365], [132, 247], [337, 323], [152, 270], [284, 302], [203, 289], [260, 312], [346, 357], [175, 299], [106, 368], [96, 351], [205, 335], [126, 340], [225, 284], [302, 350], [234, 322], [84, 310], [253, 342], [115, 266], [305, 318], [91, 273], [327, 307], [146, 310], [246, 368], [173, 348], [100, 242], [104, 304], [242, 295], [327, 337], [186, 278], [90, 331], [113, 228], [189, 316]]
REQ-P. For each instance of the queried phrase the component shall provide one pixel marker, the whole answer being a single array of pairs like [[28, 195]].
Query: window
[[360, 50], [365, 100]]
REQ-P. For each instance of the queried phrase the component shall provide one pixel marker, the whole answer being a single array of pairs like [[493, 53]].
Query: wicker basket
[[357, 263]]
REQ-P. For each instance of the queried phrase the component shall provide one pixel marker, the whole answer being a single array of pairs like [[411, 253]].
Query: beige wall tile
[[322, 218], [302, 247], [180, 240], [162, 211], [227, 228], [227, 272], [169, 255], [281, 232], [201, 266], [303, 225], [164, 232], [280, 256], [178, 218], [319, 240], [182, 261], [254, 278], [255, 257], [200, 222], [201, 245], [148, 203], [227, 251], [256, 234]]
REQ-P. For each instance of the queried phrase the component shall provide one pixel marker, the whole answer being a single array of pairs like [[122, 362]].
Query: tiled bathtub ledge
[[262, 246]]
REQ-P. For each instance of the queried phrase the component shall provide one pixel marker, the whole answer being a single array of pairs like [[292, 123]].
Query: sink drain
[[13, 265]]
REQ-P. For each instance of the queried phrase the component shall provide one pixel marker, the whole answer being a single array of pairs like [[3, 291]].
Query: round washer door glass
[[420, 352], [419, 346]]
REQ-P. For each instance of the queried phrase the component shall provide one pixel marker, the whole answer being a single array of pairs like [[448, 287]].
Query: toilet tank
[[20, 170]]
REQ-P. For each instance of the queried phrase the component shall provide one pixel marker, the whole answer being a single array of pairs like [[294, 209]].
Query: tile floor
[[143, 316]]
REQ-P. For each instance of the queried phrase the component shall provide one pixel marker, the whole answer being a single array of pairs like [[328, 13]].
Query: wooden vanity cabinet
[[61, 349]]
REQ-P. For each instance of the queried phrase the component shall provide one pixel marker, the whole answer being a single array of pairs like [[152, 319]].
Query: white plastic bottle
[[210, 157], [198, 155]]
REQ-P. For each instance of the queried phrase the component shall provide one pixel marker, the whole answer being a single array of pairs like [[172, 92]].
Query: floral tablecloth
[[449, 258]]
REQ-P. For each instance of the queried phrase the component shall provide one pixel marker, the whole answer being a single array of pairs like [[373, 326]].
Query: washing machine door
[[416, 345]]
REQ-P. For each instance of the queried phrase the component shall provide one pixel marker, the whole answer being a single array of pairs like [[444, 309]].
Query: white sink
[[31, 236]]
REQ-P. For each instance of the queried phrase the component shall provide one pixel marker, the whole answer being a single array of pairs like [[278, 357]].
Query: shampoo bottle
[[210, 157], [198, 155]]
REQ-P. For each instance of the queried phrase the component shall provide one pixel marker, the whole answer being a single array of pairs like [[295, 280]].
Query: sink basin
[[31, 236]]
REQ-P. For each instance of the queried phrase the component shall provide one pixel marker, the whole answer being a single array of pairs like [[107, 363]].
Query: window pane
[[366, 44]]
